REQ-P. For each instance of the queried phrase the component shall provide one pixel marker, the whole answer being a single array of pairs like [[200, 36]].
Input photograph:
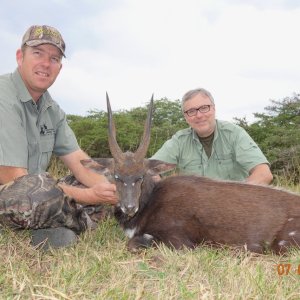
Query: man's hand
[[98, 190], [100, 193], [103, 192]]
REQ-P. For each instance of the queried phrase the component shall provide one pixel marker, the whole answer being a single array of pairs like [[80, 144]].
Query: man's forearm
[[83, 174], [101, 193], [89, 178], [81, 195], [261, 174], [8, 174]]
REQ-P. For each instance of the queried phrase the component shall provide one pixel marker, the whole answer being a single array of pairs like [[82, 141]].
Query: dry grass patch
[[100, 267]]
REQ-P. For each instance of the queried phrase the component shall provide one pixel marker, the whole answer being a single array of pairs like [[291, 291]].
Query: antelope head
[[129, 168], [126, 169]]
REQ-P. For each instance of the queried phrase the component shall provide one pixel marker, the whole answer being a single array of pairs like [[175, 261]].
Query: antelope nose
[[130, 210]]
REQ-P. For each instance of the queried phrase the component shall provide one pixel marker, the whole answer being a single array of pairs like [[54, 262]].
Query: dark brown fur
[[188, 210]]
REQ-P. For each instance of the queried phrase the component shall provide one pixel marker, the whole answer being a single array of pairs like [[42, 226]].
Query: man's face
[[203, 123], [39, 67]]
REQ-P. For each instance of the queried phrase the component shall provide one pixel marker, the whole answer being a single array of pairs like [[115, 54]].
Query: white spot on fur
[[282, 243], [148, 236], [130, 232], [290, 219], [292, 233]]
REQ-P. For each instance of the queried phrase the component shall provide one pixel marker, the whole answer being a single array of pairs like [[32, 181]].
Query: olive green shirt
[[30, 132], [234, 153]]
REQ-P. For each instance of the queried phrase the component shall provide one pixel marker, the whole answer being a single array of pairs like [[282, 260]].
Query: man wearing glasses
[[213, 148]]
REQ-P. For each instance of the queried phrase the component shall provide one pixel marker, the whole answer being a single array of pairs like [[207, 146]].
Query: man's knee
[[53, 238], [35, 201]]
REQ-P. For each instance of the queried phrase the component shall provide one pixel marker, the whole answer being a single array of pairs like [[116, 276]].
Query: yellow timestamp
[[286, 269]]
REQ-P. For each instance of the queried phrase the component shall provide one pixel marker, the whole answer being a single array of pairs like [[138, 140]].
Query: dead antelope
[[188, 210]]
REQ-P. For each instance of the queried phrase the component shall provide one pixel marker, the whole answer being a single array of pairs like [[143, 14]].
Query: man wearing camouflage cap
[[32, 127]]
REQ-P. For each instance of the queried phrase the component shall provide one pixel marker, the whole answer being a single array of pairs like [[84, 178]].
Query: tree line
[[276, 131]]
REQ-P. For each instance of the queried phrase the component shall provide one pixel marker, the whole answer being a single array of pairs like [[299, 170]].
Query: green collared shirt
[[234, 153], [30, 132]]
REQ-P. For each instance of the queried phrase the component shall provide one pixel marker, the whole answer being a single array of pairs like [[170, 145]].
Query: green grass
[[100, 267]]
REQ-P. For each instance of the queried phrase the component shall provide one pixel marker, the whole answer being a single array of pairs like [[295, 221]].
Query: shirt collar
[[23, 93], [195, 136], [216, 130]]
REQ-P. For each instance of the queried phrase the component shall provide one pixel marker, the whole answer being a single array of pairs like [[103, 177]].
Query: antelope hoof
[[140, 242]]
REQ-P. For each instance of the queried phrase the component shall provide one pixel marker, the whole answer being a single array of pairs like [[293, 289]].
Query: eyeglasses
[[193, 111]]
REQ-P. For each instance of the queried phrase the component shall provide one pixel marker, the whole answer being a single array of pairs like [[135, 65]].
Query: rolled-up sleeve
[[65, 139], [248, 154], [169, 151]]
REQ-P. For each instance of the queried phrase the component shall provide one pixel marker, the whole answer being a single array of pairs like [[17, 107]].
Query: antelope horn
[[115, 150], [143, 147]]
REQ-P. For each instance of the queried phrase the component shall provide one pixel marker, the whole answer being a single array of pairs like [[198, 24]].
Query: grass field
[[100, 267]]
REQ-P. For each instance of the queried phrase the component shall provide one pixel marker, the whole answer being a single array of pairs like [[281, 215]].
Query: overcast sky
[[244, 52]]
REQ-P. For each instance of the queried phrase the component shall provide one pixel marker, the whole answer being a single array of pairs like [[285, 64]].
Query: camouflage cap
[[38, 35]]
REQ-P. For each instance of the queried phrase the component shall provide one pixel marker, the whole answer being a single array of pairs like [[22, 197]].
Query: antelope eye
[[117, 177]]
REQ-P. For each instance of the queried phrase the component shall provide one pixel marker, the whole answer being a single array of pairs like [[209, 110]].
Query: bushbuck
[[185, 211]]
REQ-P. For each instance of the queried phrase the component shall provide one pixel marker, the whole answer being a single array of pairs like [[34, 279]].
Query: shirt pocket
[[47, 145], [191, 166], [226, 165]]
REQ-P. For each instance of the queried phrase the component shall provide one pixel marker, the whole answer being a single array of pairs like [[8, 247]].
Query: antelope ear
[[158, 167], [99, 165]]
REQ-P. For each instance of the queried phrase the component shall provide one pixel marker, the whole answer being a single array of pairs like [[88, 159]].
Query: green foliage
[[167, 119], [91, 131], [278, 134]]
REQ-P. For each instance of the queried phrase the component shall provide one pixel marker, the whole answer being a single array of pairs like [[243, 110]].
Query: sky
[[245, 53]]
